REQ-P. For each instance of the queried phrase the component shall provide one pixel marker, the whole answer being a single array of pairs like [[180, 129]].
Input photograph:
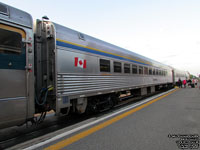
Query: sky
[[167, 31]]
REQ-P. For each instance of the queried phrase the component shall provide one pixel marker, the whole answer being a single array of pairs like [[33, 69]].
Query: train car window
[[159, 72], [154, 71], [104, 65], [145, 70], [150, 71], [117, 67], [140, 70], [134, 69], [162, 72], [127, 68], [10, 42]]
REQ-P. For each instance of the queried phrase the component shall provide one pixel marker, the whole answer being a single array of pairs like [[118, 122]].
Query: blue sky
[[164, 30]]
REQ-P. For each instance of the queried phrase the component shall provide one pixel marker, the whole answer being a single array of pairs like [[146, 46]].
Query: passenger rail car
[[47, 66], [16, 57], [179, 74]]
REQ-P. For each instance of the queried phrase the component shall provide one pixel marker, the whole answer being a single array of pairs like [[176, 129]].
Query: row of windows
[[105, 67]]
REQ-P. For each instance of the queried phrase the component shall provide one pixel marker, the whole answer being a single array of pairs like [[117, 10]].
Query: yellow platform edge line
[[85, 133]]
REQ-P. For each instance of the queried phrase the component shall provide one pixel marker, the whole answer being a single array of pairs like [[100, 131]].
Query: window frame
[[125, 67], [12, 49], [114, 65], [145, 71], [136, 67], [141, 68], [150, 71], [159, 72], [156, 71], [109, 64]]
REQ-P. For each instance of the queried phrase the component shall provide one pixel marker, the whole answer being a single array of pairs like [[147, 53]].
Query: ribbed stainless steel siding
[[72, 84]]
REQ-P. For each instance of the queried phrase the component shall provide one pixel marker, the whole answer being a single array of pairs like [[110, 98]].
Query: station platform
[[168, 121]]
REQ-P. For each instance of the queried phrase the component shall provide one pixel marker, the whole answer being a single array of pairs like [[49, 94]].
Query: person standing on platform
[[193, 83], [184, 83], [179, 83], [189, 82]]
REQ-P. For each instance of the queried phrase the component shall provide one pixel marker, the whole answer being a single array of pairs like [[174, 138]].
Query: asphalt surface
[[148, 128], [154, 127]]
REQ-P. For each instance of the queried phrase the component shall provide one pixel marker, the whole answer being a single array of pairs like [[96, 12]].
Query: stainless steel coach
[[16, 66], [47, 66]]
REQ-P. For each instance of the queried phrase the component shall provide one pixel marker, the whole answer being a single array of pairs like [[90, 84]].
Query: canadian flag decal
[[79, 62]]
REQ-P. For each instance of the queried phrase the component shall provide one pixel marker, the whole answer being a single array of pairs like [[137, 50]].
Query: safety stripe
[[2, 26], [13, 98], [97, 51], [63, 143]]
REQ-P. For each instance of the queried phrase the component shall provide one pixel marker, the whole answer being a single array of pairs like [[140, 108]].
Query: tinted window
[[145, 70], [10, 41], [150, 71], [154, 71], [162, 73], [104, 65], [134, 69], [140, 70], [117, 67], [127, 68], [159, 72], [166, 73]]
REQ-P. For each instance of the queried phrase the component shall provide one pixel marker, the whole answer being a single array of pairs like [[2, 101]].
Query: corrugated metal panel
[[70, 84]]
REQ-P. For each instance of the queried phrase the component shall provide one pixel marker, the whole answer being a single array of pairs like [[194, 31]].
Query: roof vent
[[3, 9], [81, 36]]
